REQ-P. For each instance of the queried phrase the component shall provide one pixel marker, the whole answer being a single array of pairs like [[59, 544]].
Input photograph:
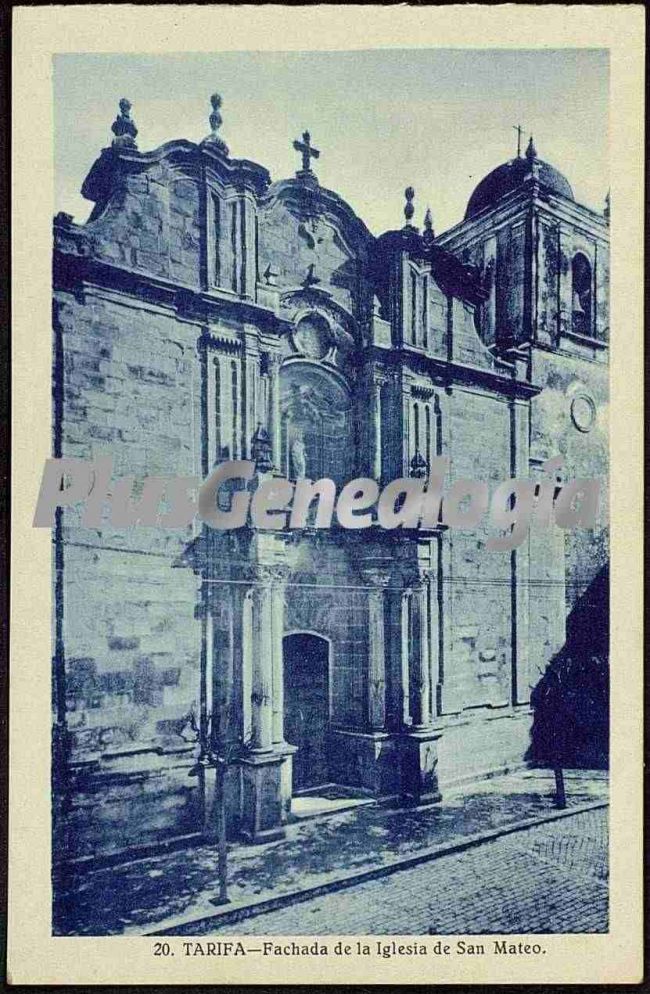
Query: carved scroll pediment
[[322, 329]]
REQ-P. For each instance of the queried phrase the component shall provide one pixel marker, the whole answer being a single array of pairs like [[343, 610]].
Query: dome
[[508, 177]]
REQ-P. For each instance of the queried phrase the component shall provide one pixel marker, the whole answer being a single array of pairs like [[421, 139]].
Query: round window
[[583, 412]]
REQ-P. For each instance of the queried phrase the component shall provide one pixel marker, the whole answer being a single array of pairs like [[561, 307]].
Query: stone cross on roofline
[[308, 152]]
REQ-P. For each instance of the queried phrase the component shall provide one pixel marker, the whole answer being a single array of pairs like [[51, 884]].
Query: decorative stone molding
[[376, 577], [272, 575], [422, 391]]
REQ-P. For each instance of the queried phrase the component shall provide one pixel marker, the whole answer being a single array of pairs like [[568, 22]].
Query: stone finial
[[261, 449], [418, 467], [428, 234], [310, 279], [216, 120], [531, 151], [63, 220], [607, 208], [409, 209], [123, 126], [270, 276]]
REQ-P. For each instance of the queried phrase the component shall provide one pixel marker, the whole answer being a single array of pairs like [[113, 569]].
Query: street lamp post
[[210, 767]]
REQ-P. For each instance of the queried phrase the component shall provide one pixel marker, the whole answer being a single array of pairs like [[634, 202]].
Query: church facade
[[206, 313]]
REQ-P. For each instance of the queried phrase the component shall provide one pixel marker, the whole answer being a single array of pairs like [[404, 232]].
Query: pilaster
[[261, 694], [377, 622], [251, 362], [520, 562], [419, 642], [275, 425], [406, 440], [565, 308], [266, 767]]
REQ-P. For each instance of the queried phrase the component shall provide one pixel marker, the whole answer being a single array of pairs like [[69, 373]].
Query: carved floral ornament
[[407, 580], [269, 575]]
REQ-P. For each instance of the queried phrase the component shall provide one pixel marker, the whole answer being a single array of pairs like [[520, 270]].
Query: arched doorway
[[306, 706]]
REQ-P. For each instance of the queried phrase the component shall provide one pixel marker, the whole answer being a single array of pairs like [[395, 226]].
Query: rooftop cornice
[[455, 278]]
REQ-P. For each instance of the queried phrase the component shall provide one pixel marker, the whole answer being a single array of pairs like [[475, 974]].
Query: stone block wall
[[570, 418], [558, 243], [132, 641], [151, 224], [473, 746], [478, 585], [510, 281], [289, 245]]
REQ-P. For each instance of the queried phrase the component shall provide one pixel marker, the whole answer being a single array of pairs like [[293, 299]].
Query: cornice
[[447, 373], [73, 272]]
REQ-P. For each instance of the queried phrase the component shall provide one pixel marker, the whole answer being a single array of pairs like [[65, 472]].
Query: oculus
[[583, 412]]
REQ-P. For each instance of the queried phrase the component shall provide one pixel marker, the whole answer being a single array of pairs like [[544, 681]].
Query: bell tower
[[543, 259], [543, 256]]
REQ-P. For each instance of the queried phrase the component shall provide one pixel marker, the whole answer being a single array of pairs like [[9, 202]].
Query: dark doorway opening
[[306, 707]]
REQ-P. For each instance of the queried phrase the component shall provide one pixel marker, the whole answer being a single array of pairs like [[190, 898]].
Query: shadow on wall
[[571, 700]]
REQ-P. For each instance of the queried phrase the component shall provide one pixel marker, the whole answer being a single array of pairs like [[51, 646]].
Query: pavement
[[548, 879], [176, 892]]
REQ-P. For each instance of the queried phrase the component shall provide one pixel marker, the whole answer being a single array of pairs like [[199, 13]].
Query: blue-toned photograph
[[329, 493]]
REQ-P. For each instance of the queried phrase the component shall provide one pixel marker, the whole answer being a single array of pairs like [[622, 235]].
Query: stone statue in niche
[[316, 423], [298, 455]]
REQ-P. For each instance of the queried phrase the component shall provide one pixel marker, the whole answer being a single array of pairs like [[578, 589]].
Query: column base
[[419, 766], [286, 752], [264, 815], [369, 760]]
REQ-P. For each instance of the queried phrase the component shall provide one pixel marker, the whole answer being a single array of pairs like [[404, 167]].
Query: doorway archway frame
[[327, 640]]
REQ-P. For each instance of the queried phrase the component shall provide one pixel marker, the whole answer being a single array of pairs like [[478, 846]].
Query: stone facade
[[201, 301]]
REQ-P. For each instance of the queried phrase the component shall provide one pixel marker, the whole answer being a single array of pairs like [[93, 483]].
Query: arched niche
[[317, 430], [581, 285]]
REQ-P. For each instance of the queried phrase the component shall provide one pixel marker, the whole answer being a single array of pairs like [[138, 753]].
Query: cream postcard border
[[34, 956]]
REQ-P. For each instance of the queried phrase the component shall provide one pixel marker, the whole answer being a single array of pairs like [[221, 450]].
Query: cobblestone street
[[552, 878], [176, 890]]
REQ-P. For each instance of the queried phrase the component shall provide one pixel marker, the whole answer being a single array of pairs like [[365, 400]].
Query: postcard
[[327, 495]]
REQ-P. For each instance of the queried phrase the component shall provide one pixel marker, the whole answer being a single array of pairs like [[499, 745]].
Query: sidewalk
[[162, 891]]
